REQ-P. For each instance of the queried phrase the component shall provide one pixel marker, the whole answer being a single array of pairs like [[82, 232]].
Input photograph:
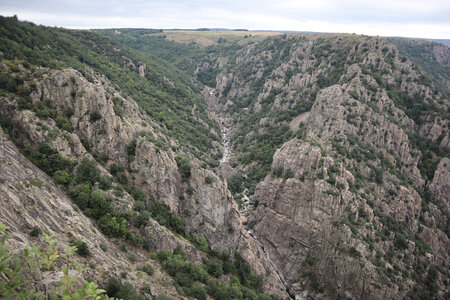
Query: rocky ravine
[[350, 209], [349, 214], [29, 198], [207, 208]]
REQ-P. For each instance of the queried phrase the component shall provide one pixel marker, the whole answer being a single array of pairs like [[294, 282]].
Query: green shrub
[[137, 194], [164, 216], [235, 183], [35, 231], [197, 291], [131, 149], [82, 248], [148, 268], [142, 219], [112, 226], [202, 243], [95, 116], [115, 288], [63, 123], [48, 159], [184, 167], [105, 182], [214, 267], [87, 172], [62, 177], [44, 109], [92, 202]]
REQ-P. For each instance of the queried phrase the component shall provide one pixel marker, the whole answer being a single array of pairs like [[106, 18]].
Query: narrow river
[[225, 126]]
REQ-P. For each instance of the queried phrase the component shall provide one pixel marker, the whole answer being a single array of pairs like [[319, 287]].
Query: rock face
[[349, 199], [440, 187], [298, 221], [343, 144], [29, 198], [110, 126]]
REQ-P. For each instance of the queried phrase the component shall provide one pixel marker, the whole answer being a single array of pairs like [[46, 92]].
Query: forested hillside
[[343, 121], [169, 96], [229, 165]]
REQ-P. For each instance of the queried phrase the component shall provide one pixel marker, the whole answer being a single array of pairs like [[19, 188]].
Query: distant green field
[[209, 38]]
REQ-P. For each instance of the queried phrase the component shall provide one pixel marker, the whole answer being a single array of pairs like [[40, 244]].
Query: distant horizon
[[236, 29], [403, 18]]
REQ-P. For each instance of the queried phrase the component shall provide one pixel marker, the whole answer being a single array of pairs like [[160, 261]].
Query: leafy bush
[[208, 179], [63, 123], [48, 159], [82, 248], [164, 216], [137, 194], [196, 290], [105, 182], [235, 183], [214, 267], [35, 231], [202, 243], [92, 202], [95, 116], [184, 166], [14, 272], [112, 226], [148, 268], [131, 149], [87, 172], [115, 288], [62, 177], [142, 219]]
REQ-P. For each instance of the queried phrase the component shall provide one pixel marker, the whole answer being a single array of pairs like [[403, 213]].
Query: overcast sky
[[410, 18]]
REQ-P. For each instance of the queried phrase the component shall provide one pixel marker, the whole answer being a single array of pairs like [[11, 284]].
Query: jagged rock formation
[[29, 198], [342, 142], [346, 208], [204, 201]]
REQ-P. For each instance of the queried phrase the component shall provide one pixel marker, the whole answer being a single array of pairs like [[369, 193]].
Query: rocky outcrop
[[440, 187], [100, 115], [29, 199], [111, 127], [355, 204], [353, 186]]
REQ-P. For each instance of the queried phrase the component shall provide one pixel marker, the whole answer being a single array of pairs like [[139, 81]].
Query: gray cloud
[[395, 17]]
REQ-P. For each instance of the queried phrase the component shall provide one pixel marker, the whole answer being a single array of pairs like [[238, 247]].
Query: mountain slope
[[431, 57], [337, 154], [166, 94], [355, 188], [136, 182]]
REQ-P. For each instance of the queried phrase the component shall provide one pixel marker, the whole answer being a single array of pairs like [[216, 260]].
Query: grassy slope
[[170, 105]]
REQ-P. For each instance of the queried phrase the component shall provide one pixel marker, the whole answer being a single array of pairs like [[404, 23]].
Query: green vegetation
[[260, 149], [116, 289], [148, 268], [235, 183], [169, 104], [184, 166], [15, 270], [197, 281], [87, 171], [82, 247], [422, 53], [49, 160]]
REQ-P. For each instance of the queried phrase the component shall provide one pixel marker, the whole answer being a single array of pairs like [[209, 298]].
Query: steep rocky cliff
[[81, 119], [347, 198], [334, 181], [353, 204]]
